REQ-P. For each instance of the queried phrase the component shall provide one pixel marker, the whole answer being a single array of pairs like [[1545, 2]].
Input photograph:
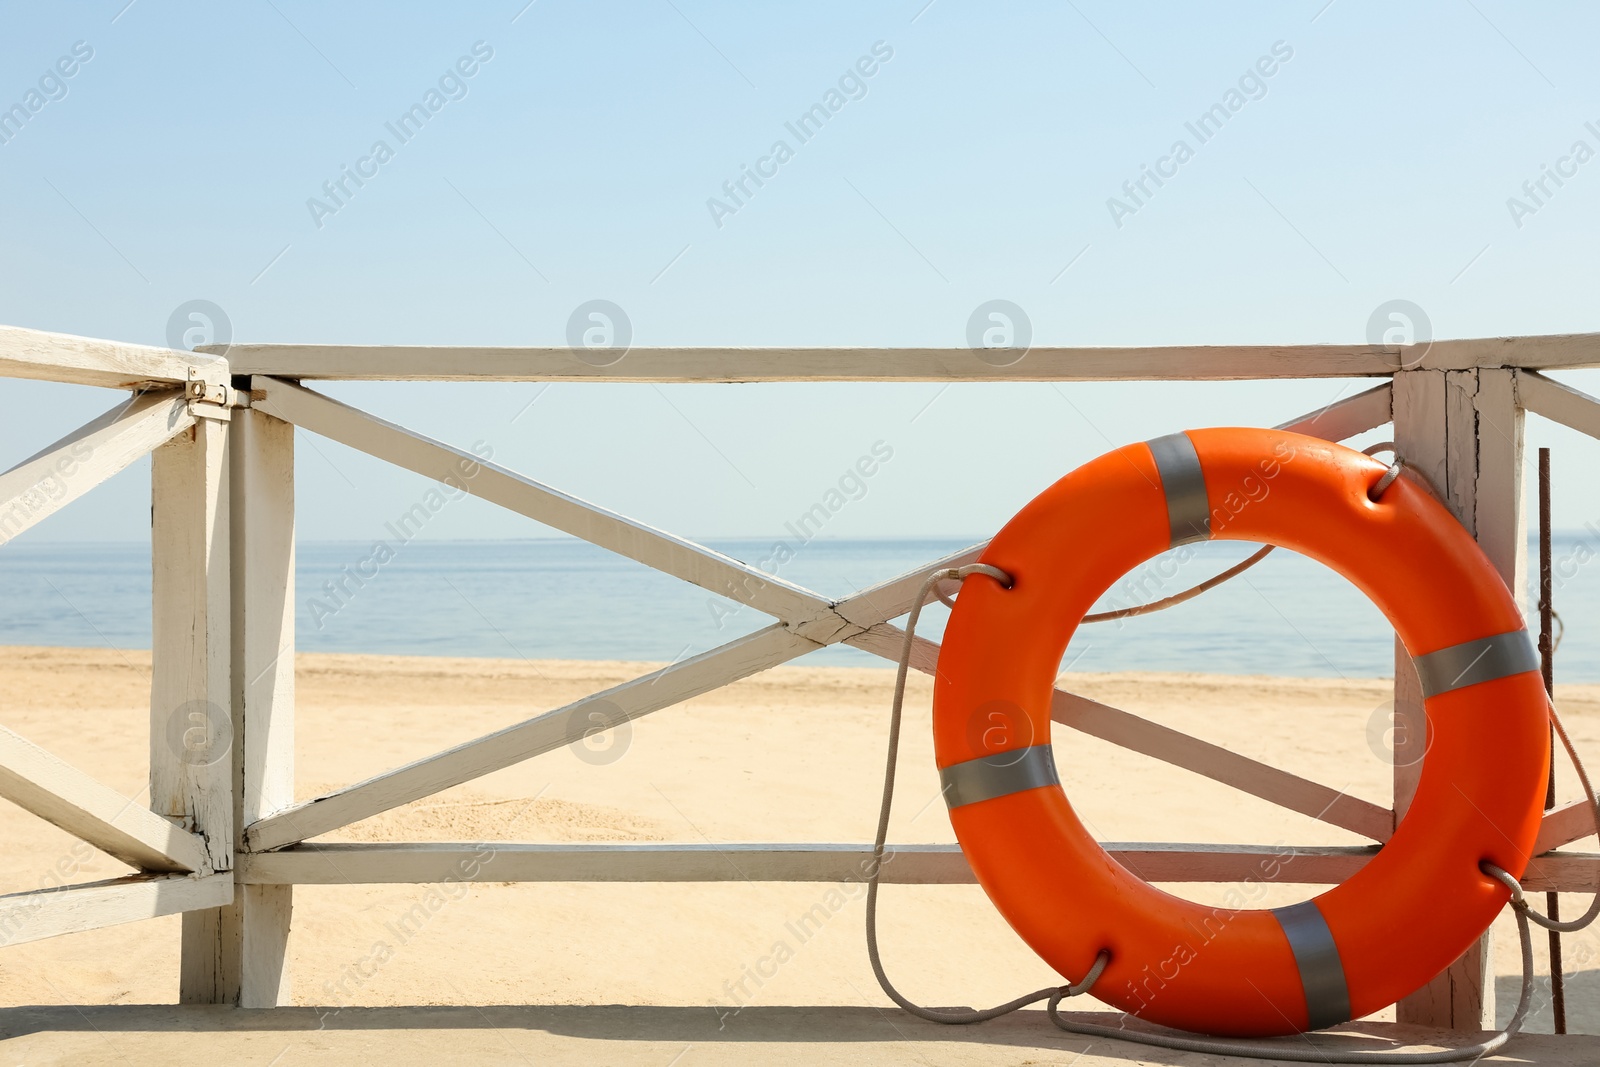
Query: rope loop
[[1376, 492], [1389, 475], [1517, 901], [961, 574]]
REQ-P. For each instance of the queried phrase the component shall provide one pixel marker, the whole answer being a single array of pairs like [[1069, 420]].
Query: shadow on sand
[[1583, 1002]]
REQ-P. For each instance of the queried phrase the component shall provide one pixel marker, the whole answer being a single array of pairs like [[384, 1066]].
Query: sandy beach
[[794, 754]]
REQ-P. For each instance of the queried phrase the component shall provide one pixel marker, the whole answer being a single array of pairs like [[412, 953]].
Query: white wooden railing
[[225, 841]]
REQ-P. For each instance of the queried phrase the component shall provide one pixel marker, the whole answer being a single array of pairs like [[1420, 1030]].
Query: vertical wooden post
[[263, 656], [1419, 436], [1502, 521], [1463, 430], [191, 692]]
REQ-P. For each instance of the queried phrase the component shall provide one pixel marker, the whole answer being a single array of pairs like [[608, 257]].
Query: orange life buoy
[[1359, 947]]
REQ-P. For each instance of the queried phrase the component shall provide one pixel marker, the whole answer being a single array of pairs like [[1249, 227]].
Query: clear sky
[[185, 157]]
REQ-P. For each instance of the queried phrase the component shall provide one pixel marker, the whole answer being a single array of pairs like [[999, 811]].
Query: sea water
[[566, 599]]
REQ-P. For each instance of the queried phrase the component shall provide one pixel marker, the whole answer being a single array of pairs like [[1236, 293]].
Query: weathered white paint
[[193, 731], [1462, 429], [261, 458], [346, 864], [908, 864], [1178, 362], [61, 357], [95, 905]]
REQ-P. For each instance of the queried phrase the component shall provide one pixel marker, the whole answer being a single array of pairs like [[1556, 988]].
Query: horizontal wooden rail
[[61, 357], [1563, 872], [39, 782], [95, 905], [48, 481], [701, 364], [929, 864], [917, 864]]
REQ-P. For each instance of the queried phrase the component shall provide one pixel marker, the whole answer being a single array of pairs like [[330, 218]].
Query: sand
[[794, 754]]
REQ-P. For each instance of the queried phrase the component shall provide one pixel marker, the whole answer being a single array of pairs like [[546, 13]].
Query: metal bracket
[[209, 399]]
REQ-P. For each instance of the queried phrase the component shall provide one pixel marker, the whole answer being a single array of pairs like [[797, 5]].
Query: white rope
[[956, 1016]]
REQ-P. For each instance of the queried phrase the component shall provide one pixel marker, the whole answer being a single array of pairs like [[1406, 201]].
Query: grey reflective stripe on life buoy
[[998, 775], [1471, 662], [1317, 957], [1188, 510]]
